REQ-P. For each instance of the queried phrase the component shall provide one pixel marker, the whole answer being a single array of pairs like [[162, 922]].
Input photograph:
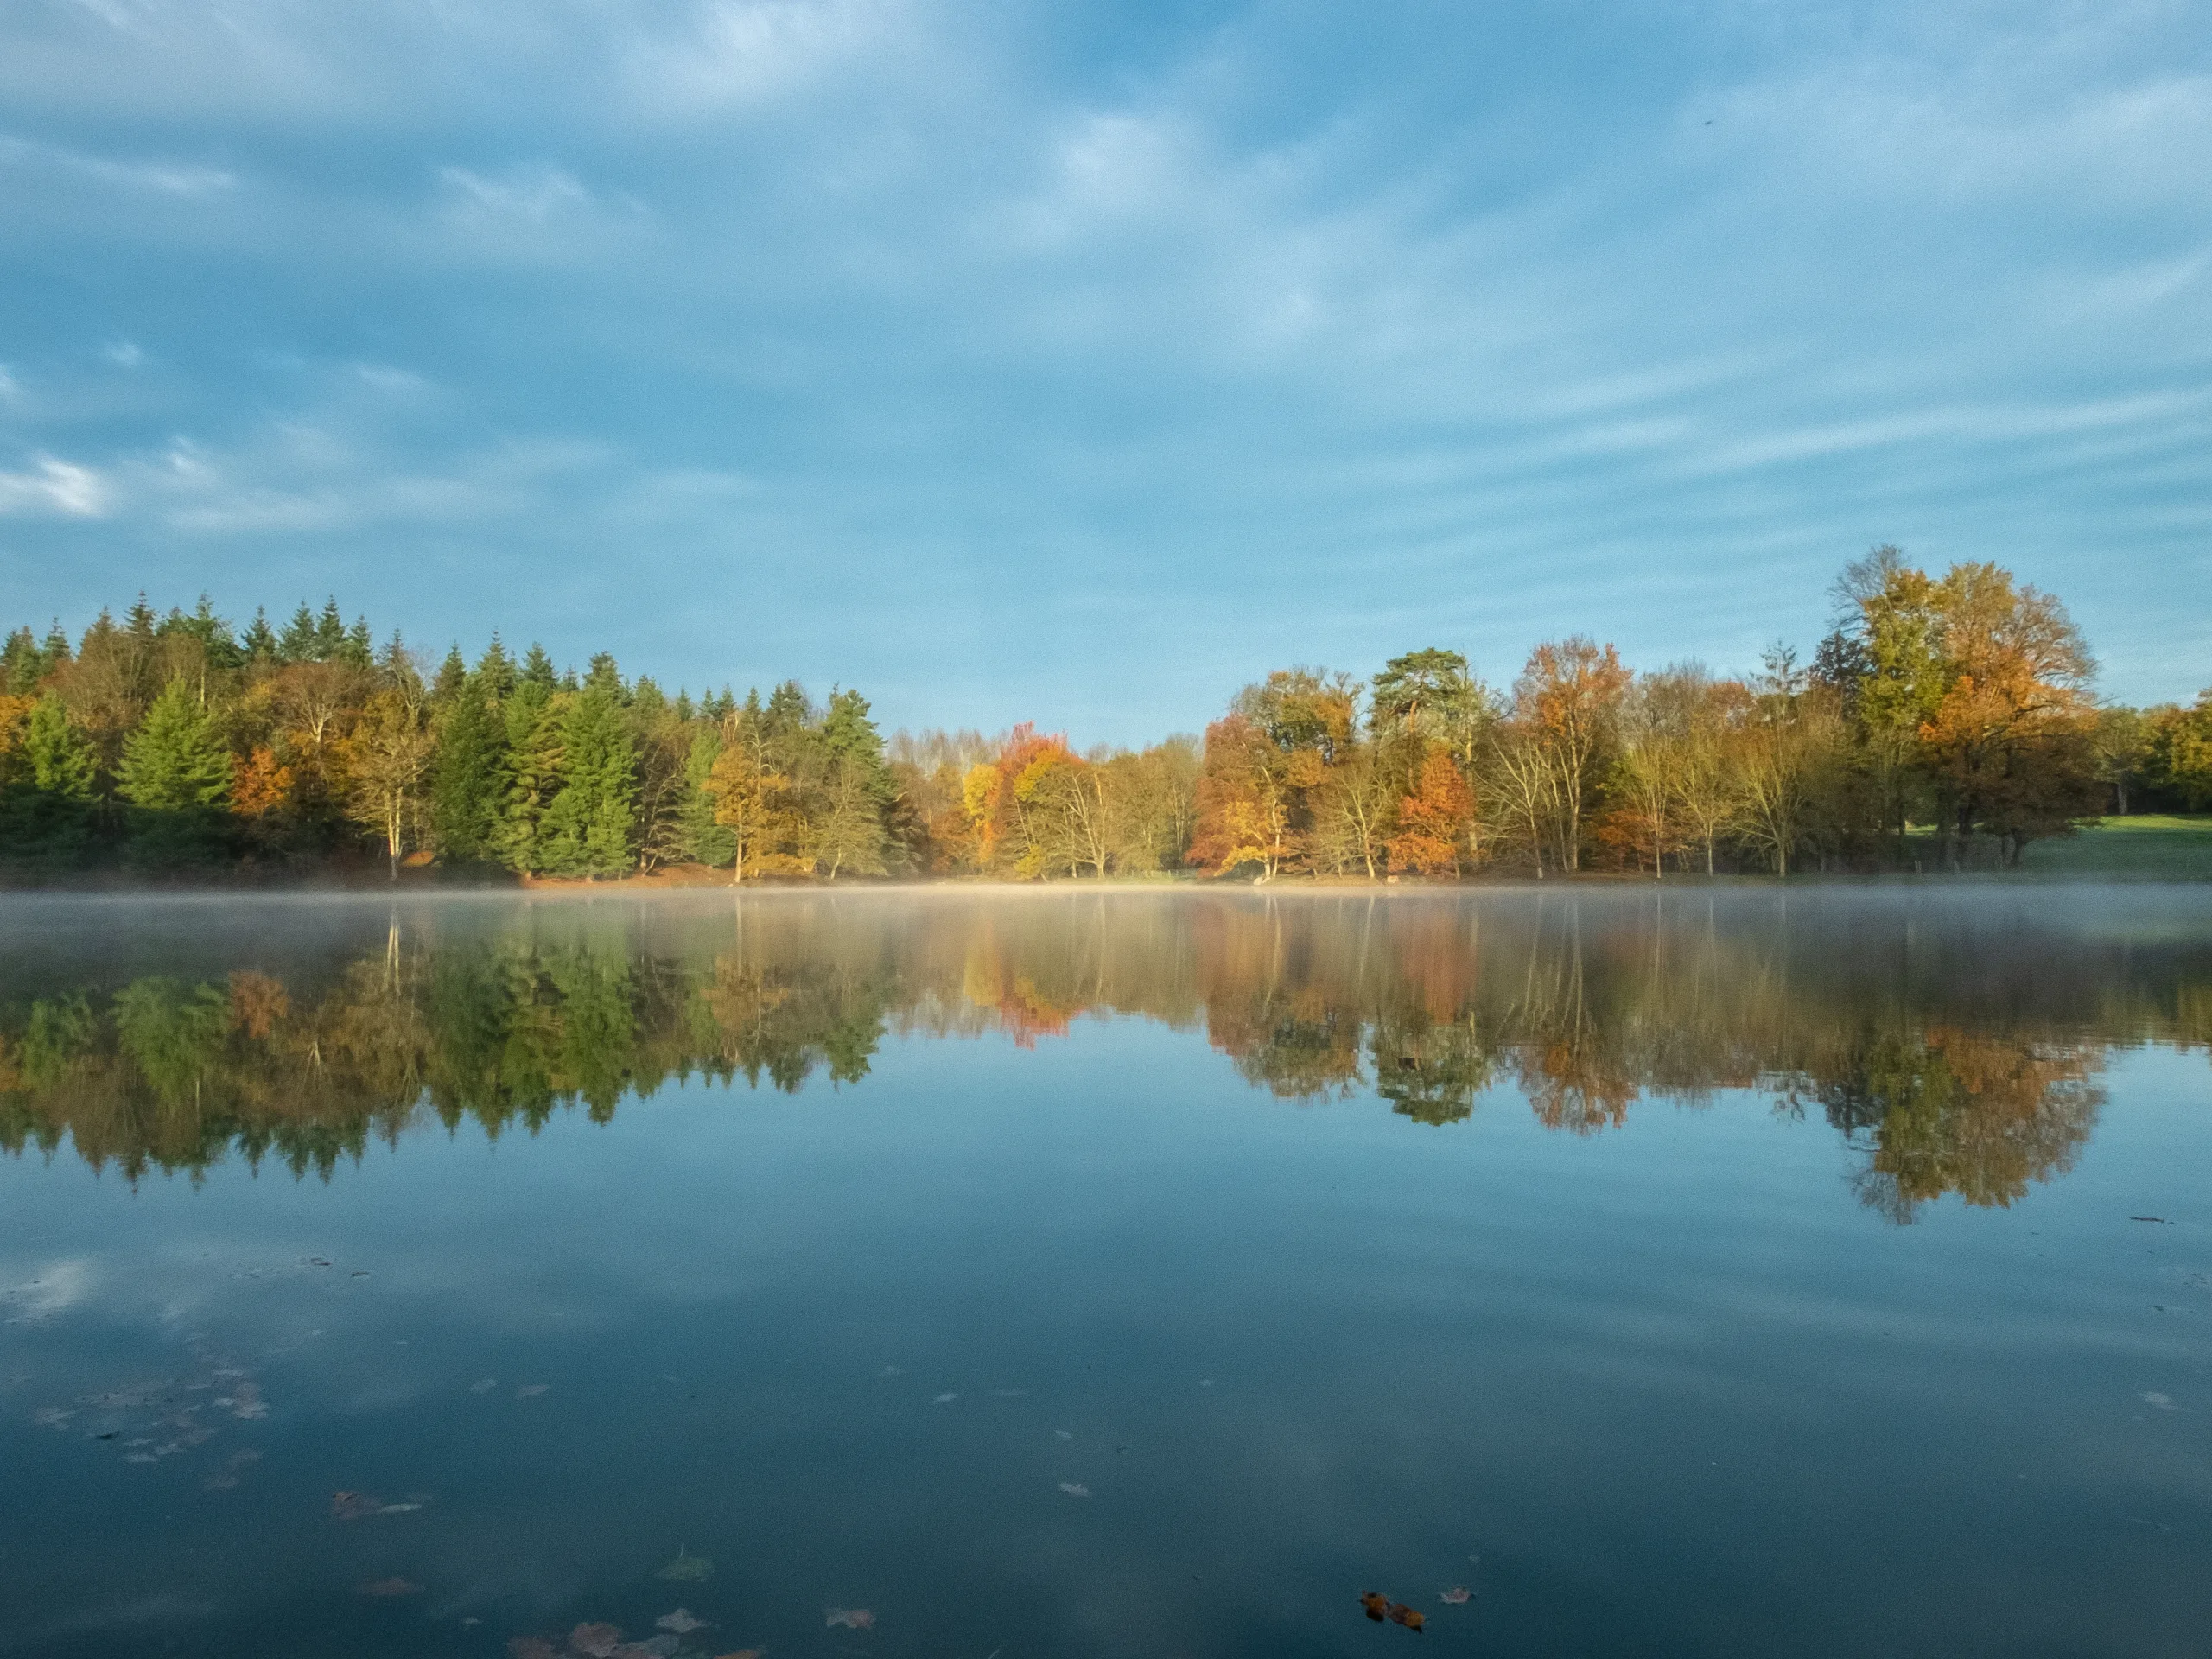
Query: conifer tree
[[532, 738], [176, 772], [49, 816], [587, 829], [468, 783]]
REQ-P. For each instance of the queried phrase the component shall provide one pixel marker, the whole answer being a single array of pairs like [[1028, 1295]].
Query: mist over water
[[1710, 1270]]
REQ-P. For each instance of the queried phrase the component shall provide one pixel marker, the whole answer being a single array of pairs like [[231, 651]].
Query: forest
[[1945, 722]]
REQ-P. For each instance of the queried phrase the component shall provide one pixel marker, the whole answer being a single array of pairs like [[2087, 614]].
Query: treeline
[[1945, 720], [1972, 1070]]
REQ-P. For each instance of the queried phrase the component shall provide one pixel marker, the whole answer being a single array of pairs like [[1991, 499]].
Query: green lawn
[[2150, 847]]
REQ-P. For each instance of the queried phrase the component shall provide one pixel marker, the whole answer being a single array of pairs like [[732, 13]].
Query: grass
[[2150, 847]]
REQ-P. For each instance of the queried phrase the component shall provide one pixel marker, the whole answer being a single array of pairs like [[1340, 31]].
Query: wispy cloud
[[53, 488]]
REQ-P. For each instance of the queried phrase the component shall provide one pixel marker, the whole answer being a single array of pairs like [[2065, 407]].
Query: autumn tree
[[1564, 707], [1431, 821]]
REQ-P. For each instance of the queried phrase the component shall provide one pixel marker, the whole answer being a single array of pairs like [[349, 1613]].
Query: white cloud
[[738, 53], [534, 195], [162, 177], [124, 353], [55, 488]]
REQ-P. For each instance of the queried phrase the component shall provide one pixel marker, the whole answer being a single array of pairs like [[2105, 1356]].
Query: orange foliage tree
[[1432, 821]]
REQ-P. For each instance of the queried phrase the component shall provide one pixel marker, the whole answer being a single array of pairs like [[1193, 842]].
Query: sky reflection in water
[[1233, 1257]]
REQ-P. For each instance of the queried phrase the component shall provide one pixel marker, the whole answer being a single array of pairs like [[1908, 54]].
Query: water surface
[[1713, 1271]]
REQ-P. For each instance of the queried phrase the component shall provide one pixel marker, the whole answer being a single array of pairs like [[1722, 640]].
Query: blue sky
[[1035, 359]]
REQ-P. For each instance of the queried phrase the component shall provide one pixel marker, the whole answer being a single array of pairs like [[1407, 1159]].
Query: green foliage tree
[[175, 772], [587, 828]]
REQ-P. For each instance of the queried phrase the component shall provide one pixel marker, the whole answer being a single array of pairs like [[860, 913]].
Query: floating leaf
[[687, 1568], [681, 1622], [1380, 1607], [945, 1399], [853, 1618], [388, 1587], [1458, 1595], [595, 1640], [1063, 1434], [2163, 1402], [1075, 1489], [532, 1391], [484, 1385]]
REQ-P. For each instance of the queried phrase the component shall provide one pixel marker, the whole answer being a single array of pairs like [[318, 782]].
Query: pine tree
[[469, 783], [538, 669], [587, 827], [49, 818], [176, 772], [532, 742], [453, 674], [495, 672], [259, 643], [699, 837]]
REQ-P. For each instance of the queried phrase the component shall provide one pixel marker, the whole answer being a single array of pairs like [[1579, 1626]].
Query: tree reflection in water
[[1956, 1043]]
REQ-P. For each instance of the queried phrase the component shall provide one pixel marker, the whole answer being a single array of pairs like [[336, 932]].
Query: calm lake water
[[944, 1273]]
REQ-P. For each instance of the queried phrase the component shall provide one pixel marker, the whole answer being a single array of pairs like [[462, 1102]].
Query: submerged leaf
[[687, 1568], [595, 1640], [484, 1385], [1456, 1595], [853, 1618], [1075, 1489], [681, 1622], [532, 1391]]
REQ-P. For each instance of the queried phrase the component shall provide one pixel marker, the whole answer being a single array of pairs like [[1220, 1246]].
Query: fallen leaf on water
[[1075, 1489], [681, 1622], [390, 1587], [1457, 1596], [595, 1640], [853, 1618], [1382, 1607], [531, 1647], [484, 1385], [1063, 1434], [945, 1399], [532, 1391], [687, 1568], [2163, 1402]]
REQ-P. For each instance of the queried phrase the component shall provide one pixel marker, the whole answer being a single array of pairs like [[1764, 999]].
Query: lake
[[1606, 1270]]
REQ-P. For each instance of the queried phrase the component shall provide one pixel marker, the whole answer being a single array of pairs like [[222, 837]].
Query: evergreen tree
[[587, 829], [699, 838], [330, 634], [453, 674], [49, 815], [259, 643], [538, 669], [297, 643], [468, 781], [175, 773], [532, 738], [495, 672]]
